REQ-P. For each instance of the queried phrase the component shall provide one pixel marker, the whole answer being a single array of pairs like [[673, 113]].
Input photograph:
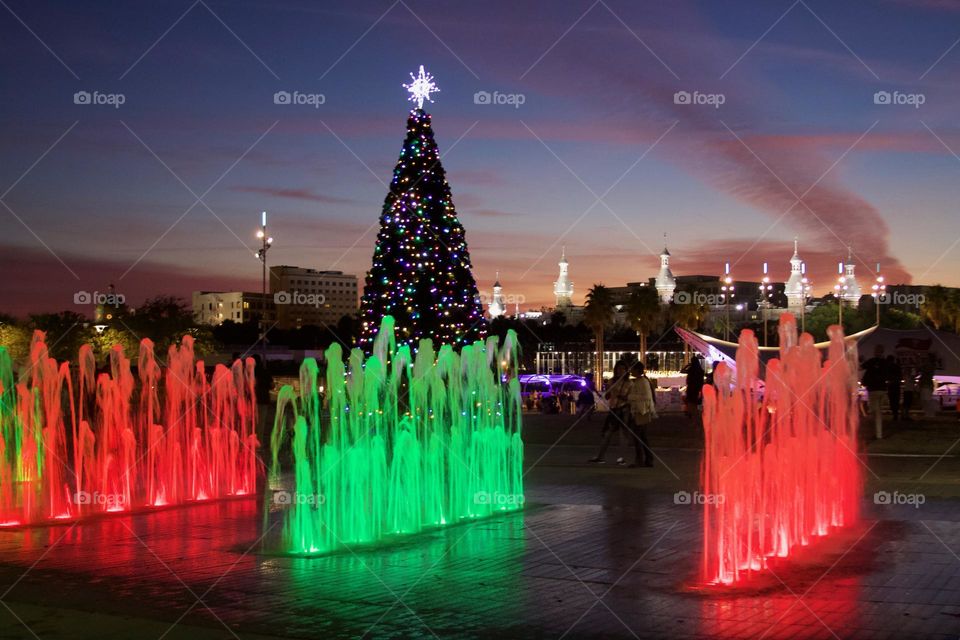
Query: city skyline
[[162, 193]]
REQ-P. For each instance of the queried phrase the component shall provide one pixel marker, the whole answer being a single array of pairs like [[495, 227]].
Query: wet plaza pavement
[[597, 552]]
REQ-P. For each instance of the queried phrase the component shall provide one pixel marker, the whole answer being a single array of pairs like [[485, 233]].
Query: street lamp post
[[804, 290], [765, 288], [727, 289], [265, 243], [840, 289], [879, 288]]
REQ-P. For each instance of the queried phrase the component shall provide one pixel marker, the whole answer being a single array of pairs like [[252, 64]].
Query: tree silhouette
[[598, 315], [643, 313]]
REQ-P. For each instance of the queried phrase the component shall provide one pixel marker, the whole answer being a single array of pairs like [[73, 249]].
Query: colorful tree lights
[[421, 272]]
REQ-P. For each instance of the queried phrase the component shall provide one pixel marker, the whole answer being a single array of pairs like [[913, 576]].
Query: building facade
[[215, 307], [312, 297]]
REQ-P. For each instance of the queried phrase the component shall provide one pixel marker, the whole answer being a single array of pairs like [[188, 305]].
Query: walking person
[[567, 402], [909, 391], [618, 400], [894, 376], [695, 378], [927, 370], [585, 403], [548, 403], [642, 412], [875, 372]]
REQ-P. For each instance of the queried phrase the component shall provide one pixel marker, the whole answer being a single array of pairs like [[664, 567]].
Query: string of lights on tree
[[421, 272]]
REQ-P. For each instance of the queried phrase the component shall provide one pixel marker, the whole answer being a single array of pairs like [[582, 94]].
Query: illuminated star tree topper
[[421, 87]]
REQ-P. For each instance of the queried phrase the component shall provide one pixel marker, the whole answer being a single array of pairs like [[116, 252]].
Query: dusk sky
[[163, 193]]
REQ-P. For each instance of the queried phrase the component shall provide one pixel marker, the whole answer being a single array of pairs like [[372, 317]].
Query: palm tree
[[643, 313], [955, 310], [598, 315], [936, 306], [687, 316]]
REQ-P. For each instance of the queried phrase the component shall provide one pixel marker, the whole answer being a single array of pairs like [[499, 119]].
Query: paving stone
[[615, 535]]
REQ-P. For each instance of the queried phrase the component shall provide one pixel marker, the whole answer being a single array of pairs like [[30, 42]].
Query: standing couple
[[632, 408]]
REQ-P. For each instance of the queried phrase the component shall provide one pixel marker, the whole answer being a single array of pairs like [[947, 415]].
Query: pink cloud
[[298, 194], [490, 213], [34, 281], [480, 177]]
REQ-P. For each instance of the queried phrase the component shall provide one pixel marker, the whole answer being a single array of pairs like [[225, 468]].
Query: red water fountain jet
[[781, 464], [76, 443]]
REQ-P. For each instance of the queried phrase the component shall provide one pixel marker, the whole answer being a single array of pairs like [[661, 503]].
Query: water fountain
[[397, 443], [780, 468], [73, 443]]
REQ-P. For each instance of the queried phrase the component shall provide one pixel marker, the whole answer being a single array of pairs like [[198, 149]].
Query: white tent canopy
[[910, 346]]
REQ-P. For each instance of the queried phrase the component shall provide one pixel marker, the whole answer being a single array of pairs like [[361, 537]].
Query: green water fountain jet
[[396, 443]]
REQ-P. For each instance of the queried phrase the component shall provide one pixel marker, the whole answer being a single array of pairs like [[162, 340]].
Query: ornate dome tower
[[563, 288], [497, 307], [665, 283], [794, 288], [851, 294]]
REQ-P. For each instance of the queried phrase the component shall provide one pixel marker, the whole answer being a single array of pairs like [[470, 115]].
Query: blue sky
[[103, 195]]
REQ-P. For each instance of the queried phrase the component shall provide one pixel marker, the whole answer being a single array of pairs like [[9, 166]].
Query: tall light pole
[[727, 289], [804, 290], [879, 288], [840, 288], [265, 243], [765, 288]]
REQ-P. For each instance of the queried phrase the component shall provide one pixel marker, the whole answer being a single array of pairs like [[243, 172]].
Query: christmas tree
[[421, 273]]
